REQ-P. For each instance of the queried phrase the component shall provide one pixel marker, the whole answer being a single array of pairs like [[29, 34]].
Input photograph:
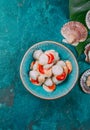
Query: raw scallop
[[57, 70], [47, 89], [41, 79], [37, 54], [33, 74], [43, 59], [61, 63], [48, 82], [56, 81]]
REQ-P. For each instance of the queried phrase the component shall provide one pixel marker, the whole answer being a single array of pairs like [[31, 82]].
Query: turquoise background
[[22, 24]]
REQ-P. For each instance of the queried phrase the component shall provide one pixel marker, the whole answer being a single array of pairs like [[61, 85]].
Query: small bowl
[[61, 89]]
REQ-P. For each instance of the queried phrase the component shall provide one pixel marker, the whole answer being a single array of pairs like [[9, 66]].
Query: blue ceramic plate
[[61, 89]]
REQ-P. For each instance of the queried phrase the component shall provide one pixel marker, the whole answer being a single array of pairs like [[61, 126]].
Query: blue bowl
[[61, 89]]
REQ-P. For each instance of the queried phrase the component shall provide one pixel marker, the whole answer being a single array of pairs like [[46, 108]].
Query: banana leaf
[[77, 11]]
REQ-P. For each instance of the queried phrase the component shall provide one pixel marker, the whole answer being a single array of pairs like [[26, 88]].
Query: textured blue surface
[[22, 24], [65, 54]]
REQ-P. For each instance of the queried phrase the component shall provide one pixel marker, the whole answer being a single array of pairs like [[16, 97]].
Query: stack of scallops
[[48, 70]]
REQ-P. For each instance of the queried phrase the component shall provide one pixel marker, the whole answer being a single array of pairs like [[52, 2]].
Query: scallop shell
[[87, 19], [84, 76], [87, 53], [74, 32]]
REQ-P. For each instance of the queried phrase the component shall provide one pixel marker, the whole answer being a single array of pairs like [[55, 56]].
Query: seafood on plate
[[48, 69]]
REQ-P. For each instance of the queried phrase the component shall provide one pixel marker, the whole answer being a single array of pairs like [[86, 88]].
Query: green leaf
[[81, 46], [78, 10]]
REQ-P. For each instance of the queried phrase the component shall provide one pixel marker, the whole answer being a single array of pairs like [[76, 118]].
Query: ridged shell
[[87, 53], [74, 32], [88, 19]]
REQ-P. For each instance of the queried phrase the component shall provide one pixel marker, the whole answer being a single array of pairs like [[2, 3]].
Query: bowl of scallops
[[49, 70]]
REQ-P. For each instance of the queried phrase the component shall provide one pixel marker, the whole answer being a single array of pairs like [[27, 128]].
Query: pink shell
[[88, 19], [83, 78], [87, 49], [74, 32]]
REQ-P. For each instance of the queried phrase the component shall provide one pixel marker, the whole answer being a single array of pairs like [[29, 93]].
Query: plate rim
[[57, 43]]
